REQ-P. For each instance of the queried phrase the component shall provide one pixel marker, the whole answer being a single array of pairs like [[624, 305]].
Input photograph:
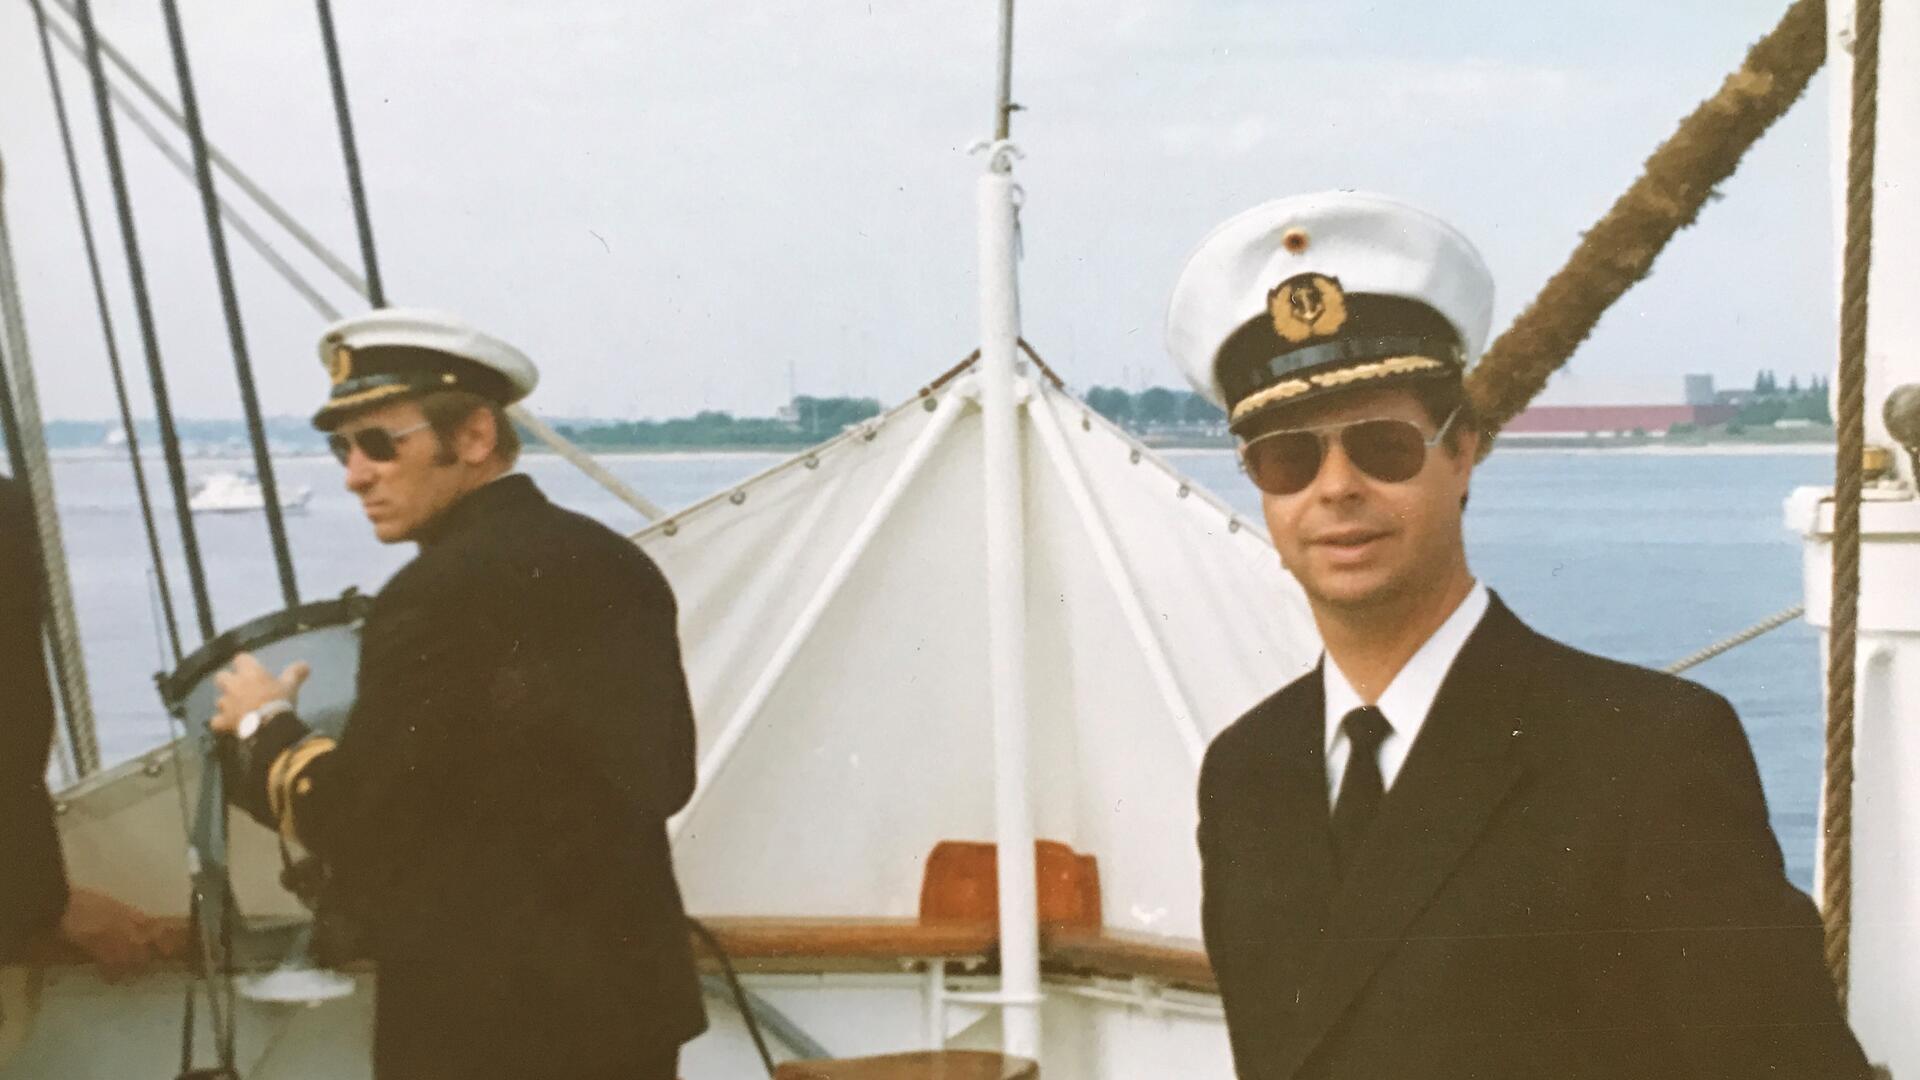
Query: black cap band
[[1375, 328]]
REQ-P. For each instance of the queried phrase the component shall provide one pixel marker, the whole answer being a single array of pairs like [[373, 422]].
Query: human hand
[[247, 685], [120, 938]]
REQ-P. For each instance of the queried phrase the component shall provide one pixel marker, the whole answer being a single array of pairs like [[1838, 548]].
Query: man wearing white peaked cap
[[1457, 849], [493, 819]]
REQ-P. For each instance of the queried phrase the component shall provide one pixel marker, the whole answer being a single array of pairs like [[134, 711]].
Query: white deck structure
[[835, 630]]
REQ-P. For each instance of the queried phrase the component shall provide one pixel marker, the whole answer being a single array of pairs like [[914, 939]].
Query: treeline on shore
[[806, 420], [1158, 414]]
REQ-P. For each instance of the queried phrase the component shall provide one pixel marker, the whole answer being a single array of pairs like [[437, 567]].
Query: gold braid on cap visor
[[363, 396], [1339, 377]]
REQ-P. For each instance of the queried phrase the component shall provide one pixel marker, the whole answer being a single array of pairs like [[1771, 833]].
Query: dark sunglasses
[[1390, 451], [377, 443]]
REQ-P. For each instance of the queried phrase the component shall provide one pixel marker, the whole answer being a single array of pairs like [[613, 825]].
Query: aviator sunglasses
[[1390, 451], [377, 443]]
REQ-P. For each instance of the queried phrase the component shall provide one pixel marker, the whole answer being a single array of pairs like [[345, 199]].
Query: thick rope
[[1678, 180], [1842, 641], [1767, 625], [350, 150], [19, 402], [230, 309], [127, 428]]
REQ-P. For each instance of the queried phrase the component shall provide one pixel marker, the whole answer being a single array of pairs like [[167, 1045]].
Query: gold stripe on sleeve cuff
[[285, 774]]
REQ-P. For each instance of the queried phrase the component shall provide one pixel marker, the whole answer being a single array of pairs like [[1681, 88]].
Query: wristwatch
[[250, 722]]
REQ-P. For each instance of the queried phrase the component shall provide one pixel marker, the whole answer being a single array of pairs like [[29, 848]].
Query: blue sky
[[685, 206]]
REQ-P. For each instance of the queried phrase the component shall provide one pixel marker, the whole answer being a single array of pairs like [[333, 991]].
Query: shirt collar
[[490, 498], [1409, 697]]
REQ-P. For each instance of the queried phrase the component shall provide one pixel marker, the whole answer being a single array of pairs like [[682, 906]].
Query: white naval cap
[[1306, 295], [397, 352]]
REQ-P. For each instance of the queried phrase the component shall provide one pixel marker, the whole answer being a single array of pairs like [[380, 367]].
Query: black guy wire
[[149, 337], [375, 291], [230, 307], [145, 88], [106, 330], [247, 233]]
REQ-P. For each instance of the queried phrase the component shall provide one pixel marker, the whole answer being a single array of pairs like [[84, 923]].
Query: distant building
[[1615, 419], [1700, 390], [1705, 407]]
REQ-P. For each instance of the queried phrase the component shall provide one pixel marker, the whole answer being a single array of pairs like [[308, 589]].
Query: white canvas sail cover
[[833, 616]]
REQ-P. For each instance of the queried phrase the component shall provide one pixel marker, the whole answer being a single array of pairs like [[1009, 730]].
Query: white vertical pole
[[936, 1004], [1006, 606], [1883, 996]]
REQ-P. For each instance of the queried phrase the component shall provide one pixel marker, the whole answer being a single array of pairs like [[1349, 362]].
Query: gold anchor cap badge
[[340, 363], [1307, 306]]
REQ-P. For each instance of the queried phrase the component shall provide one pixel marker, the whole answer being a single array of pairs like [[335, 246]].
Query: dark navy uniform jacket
[[494, 817], [33, 880], [1572, 877]]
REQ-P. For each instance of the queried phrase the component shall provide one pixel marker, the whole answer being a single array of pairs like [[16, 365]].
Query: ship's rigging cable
[[344, 118], [739, 992], [1836, 864], [149, 337], [230, 309], [281, 217], [127, 428], [210, 881], [1620, 248], [228, 212], [20, 404], [520, 415], [1767, 625]]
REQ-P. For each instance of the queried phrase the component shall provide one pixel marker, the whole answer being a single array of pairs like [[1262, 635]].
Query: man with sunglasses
[[1457, 848], [493, 820]]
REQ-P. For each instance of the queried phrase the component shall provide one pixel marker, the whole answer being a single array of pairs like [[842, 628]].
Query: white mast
[[1004, 468], [1883, 996]]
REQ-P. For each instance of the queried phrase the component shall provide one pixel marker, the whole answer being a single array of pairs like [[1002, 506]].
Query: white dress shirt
[[1407, 699]]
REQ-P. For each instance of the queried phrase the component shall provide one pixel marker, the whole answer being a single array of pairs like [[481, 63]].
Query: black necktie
[[1360, 786]]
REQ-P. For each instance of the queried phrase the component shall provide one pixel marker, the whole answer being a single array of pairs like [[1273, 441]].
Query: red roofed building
[[1614, 419]]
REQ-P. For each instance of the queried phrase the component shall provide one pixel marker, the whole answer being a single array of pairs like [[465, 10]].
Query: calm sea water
[[1645, 557]]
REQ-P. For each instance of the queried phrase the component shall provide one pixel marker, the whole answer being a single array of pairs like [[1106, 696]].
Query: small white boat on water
[[239, 493]]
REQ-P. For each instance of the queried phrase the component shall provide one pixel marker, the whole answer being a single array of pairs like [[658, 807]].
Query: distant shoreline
[[1728, 449], [693, 453]]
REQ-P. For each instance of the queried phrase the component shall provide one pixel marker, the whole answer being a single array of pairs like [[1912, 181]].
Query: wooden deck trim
[[813, 945], [921, 1065], [1127, 955], [760, 943]]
